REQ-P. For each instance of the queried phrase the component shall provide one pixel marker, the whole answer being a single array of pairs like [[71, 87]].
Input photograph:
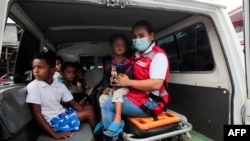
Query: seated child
[[45, 96], [80, 77], [58, 74], [118, 64], [69, 79], [115, 92]]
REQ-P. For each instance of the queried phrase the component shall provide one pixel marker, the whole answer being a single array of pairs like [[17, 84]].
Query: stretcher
[[170, 124]]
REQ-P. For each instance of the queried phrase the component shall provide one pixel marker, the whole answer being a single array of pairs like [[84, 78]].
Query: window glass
[[189, 49], [100, 62], [88, 62], [169, 45]]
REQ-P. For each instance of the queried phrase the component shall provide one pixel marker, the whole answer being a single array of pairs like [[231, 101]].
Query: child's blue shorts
[[66, 122]]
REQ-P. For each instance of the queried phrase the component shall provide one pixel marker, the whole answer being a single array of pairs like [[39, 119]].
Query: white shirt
[[57, 76], [48, 96], [158, 66]]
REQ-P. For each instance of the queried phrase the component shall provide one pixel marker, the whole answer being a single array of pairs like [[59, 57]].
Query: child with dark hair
[[45, 96], [80, 77], [69, 79], [117, 64], [58, 74]]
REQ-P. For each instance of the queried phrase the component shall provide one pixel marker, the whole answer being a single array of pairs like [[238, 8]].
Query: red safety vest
[[141, 68]]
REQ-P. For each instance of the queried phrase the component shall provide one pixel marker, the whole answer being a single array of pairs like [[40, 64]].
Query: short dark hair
[[118, 35], [47, 56], [144, 23], [59, 58], [67, 64]]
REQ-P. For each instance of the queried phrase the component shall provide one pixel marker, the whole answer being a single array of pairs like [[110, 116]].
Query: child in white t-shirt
[[58, 74], [45, 96]]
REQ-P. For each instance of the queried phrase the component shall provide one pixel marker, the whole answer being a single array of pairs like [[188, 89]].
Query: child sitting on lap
[[119, 63]]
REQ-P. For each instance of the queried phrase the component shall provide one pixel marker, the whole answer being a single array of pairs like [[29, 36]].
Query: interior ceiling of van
[[63, 22]]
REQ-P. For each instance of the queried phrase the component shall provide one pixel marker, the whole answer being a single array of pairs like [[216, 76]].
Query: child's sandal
[[114, 129], [98, 128]]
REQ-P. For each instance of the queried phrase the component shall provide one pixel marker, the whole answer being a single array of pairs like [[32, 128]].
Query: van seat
[[15, 114], [93, 77], [85, 133], [17, 123]]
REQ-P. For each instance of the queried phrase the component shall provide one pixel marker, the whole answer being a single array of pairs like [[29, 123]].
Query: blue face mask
[[141, 44]]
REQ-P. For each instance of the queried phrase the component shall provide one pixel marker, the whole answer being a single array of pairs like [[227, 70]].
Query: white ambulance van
[[209, 77]]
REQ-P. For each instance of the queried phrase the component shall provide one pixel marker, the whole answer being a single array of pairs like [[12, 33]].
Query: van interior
[[79, 31]]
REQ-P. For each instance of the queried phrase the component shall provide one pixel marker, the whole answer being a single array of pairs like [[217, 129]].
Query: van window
[[188, 49], [100, 62], [88, 62]]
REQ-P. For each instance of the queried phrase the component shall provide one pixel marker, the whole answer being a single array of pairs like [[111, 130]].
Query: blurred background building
[[9, 47], [236, 16]]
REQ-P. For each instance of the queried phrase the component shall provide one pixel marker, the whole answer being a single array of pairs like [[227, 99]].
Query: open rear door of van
[[3, 16], [247, 56]]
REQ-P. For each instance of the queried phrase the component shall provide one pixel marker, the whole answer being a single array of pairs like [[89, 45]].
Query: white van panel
[[226, 50], [3, 9], [216, 78], [71, 52]]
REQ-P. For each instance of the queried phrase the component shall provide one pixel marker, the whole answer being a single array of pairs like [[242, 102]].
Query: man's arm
[[36, 109]]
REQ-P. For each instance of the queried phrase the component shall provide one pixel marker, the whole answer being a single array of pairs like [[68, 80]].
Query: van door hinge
[[113, 3]]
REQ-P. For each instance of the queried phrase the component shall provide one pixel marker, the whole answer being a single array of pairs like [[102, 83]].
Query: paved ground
[[195, 136]]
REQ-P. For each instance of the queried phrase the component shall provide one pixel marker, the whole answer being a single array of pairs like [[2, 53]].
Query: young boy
[[69, 79], [58, 74], [80, 76], [118, 64], [45, 96]]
